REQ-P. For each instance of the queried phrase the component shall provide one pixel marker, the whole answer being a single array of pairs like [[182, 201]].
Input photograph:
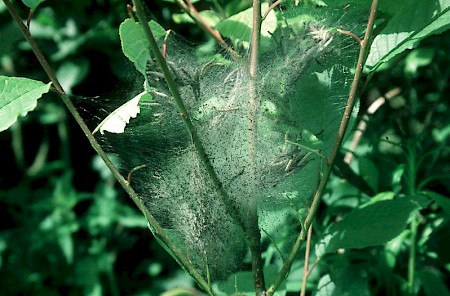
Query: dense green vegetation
[[68, 228]]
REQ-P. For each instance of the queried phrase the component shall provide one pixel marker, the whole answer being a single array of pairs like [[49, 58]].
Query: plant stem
[[253, 231], [190, 9], [256, 36], [230, 207], [153, 224], [306, 266], [272, 6], [412, 256], [327, 168], [411, 180]]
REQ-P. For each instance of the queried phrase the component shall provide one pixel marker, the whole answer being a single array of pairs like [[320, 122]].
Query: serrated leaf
[[32, 3], [119, 118], [406, 29], [372, 225], [18, 96], [134, 44]]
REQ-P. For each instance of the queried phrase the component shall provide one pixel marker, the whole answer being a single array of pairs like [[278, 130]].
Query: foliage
[[382, 228]]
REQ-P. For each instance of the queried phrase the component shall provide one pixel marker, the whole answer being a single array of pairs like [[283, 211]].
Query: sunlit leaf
[[416, 21], [383, 220], [239, 26], [135, 45], [18, 96], [32, 3]]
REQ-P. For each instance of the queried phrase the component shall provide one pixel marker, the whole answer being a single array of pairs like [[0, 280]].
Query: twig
[[164, 45], [130, 11], [272, 6], [256, 36], [156, 228], [252, 217], [306, 266], [30, 16], [348, 33], [313, 266], [190, 9], [362, 125], [327, 171], [130, 174]]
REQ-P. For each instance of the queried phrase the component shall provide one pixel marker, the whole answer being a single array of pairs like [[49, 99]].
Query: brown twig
[[130, 11], [306, 266], [253, 231], [345, 32], [313, 266], [190, 9], [130, 174], [272, 6], [30, 16], [164, 45], [327, 169]]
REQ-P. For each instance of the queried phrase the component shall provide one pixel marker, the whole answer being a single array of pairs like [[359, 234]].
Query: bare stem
[[349, 34], [183, 112], [306, 265], [153, 224], [253, 231], [272, 6], [327, 169]]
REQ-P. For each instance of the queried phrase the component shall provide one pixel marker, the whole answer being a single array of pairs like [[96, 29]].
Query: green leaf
[[325, 287], [71, 73], [432, 284], [442, 201], [372, 225], [18, 96], [134, 44], [389, 195], [32, 3], [346, 281], [242, 283], [414, 22], [418, 58], [369, 172]]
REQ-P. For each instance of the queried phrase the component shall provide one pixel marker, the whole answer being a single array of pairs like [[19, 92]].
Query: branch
[[153, 224], [327, 168], [254, 233], [306, 265], [190, 9], [272, 6]]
